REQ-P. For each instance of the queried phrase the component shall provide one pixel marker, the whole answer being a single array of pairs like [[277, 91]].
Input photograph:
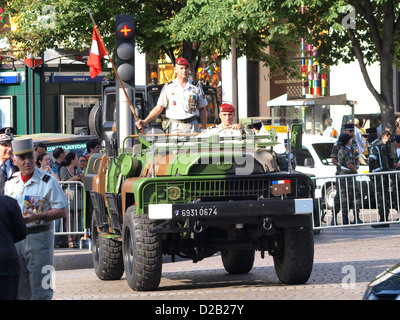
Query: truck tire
[[94, 121], [295, 255], [238, 261], [106, 255], [141, 251]]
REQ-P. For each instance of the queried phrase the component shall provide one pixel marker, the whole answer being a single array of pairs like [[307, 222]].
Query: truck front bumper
[[237, 209]]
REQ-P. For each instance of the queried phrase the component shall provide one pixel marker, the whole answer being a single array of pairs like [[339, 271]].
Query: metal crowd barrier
[[364, 199], [73, 223]]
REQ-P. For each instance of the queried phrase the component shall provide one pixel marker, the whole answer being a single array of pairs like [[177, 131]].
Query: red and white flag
[[97, 52]]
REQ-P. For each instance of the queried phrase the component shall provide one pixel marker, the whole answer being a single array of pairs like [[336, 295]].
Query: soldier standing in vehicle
[[184, 103], [379, 161], [350, 196], [227, 127]]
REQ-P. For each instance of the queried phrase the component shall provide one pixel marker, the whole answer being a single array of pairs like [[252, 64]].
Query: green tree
[[360, 30], [343, 31], [66, 24], [259, 28]]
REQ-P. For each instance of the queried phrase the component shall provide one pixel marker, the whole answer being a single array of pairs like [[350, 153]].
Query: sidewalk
[[70, 259]]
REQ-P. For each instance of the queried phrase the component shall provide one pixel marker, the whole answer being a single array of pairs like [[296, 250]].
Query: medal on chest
[[193, 101]]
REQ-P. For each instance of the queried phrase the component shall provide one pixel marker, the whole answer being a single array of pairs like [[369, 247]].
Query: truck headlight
[[174, 193]]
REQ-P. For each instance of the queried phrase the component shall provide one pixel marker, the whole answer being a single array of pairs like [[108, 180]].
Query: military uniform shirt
[[346, 156], [379, 157], [41, 185], [176, 99], [336, 147], [219, 130]]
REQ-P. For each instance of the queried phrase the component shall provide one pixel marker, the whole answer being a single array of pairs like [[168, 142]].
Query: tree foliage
[[368, 31], [363, 30]]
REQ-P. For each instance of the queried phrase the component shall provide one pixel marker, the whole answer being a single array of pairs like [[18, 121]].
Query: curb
[[70, 259]]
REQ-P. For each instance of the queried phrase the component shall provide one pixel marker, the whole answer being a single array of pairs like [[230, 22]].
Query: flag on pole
[[97, 52]]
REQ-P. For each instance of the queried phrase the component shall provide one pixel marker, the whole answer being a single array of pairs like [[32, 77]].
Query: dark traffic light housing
[[125, 49]]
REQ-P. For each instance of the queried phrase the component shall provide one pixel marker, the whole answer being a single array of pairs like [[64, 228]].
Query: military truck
[[194, 197]]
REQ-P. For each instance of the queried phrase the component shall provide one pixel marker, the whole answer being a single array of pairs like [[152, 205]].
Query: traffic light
[[125, 49]]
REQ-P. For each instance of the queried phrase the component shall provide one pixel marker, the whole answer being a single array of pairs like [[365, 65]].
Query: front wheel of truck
[[141, 252], [294, 255], [106, 255]]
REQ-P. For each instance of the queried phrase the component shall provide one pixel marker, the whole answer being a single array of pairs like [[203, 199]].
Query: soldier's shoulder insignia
[[46, 178]]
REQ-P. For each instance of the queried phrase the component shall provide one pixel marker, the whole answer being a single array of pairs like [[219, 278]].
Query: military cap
[[22, 146], [349, 126], [344, 137], [6, 134], [226, 107], [182, 62]]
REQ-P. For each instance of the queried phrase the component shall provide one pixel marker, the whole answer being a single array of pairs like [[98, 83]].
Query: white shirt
[[38, 186], [219, 130], [176, 99]]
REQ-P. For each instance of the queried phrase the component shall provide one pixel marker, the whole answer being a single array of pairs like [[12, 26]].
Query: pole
[[234, 77], [113, 66]]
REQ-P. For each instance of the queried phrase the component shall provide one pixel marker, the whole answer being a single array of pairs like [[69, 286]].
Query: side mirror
[[309, 162], [111, 141], [296, 141]]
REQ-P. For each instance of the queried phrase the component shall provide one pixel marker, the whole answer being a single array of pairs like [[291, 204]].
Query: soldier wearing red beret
[[226, 127], [183, 101]]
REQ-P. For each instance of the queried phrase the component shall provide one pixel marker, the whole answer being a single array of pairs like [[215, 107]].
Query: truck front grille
[[254, 187]]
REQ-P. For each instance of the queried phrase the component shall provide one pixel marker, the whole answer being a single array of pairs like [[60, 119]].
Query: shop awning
[[291, 100]]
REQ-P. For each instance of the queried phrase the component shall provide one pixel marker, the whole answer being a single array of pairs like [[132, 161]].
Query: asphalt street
[[345, 261]]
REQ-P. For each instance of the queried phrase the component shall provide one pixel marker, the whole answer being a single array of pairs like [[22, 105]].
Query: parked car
[[386, 286]]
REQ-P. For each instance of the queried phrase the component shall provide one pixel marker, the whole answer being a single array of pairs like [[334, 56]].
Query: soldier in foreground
[[349, 189], [41, 200]]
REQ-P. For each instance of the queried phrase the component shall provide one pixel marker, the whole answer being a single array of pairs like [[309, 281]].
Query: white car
[[315, 159]]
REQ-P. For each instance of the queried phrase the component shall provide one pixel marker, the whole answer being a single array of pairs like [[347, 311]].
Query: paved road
[[346, 260]]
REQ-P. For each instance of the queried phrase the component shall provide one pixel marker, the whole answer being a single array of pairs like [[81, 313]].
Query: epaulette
[[46, 178]]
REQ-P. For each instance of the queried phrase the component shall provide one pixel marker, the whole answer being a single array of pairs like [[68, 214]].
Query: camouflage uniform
[[350, 196], [379, 161], [334, 154]]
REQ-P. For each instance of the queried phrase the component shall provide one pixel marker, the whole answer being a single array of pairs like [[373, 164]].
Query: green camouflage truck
[[193, 197]]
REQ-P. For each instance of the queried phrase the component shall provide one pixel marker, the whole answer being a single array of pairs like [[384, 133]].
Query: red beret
[[182, 62], [226, 107]]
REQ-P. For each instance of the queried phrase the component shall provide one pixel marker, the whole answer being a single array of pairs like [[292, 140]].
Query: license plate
[[197, 212]]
